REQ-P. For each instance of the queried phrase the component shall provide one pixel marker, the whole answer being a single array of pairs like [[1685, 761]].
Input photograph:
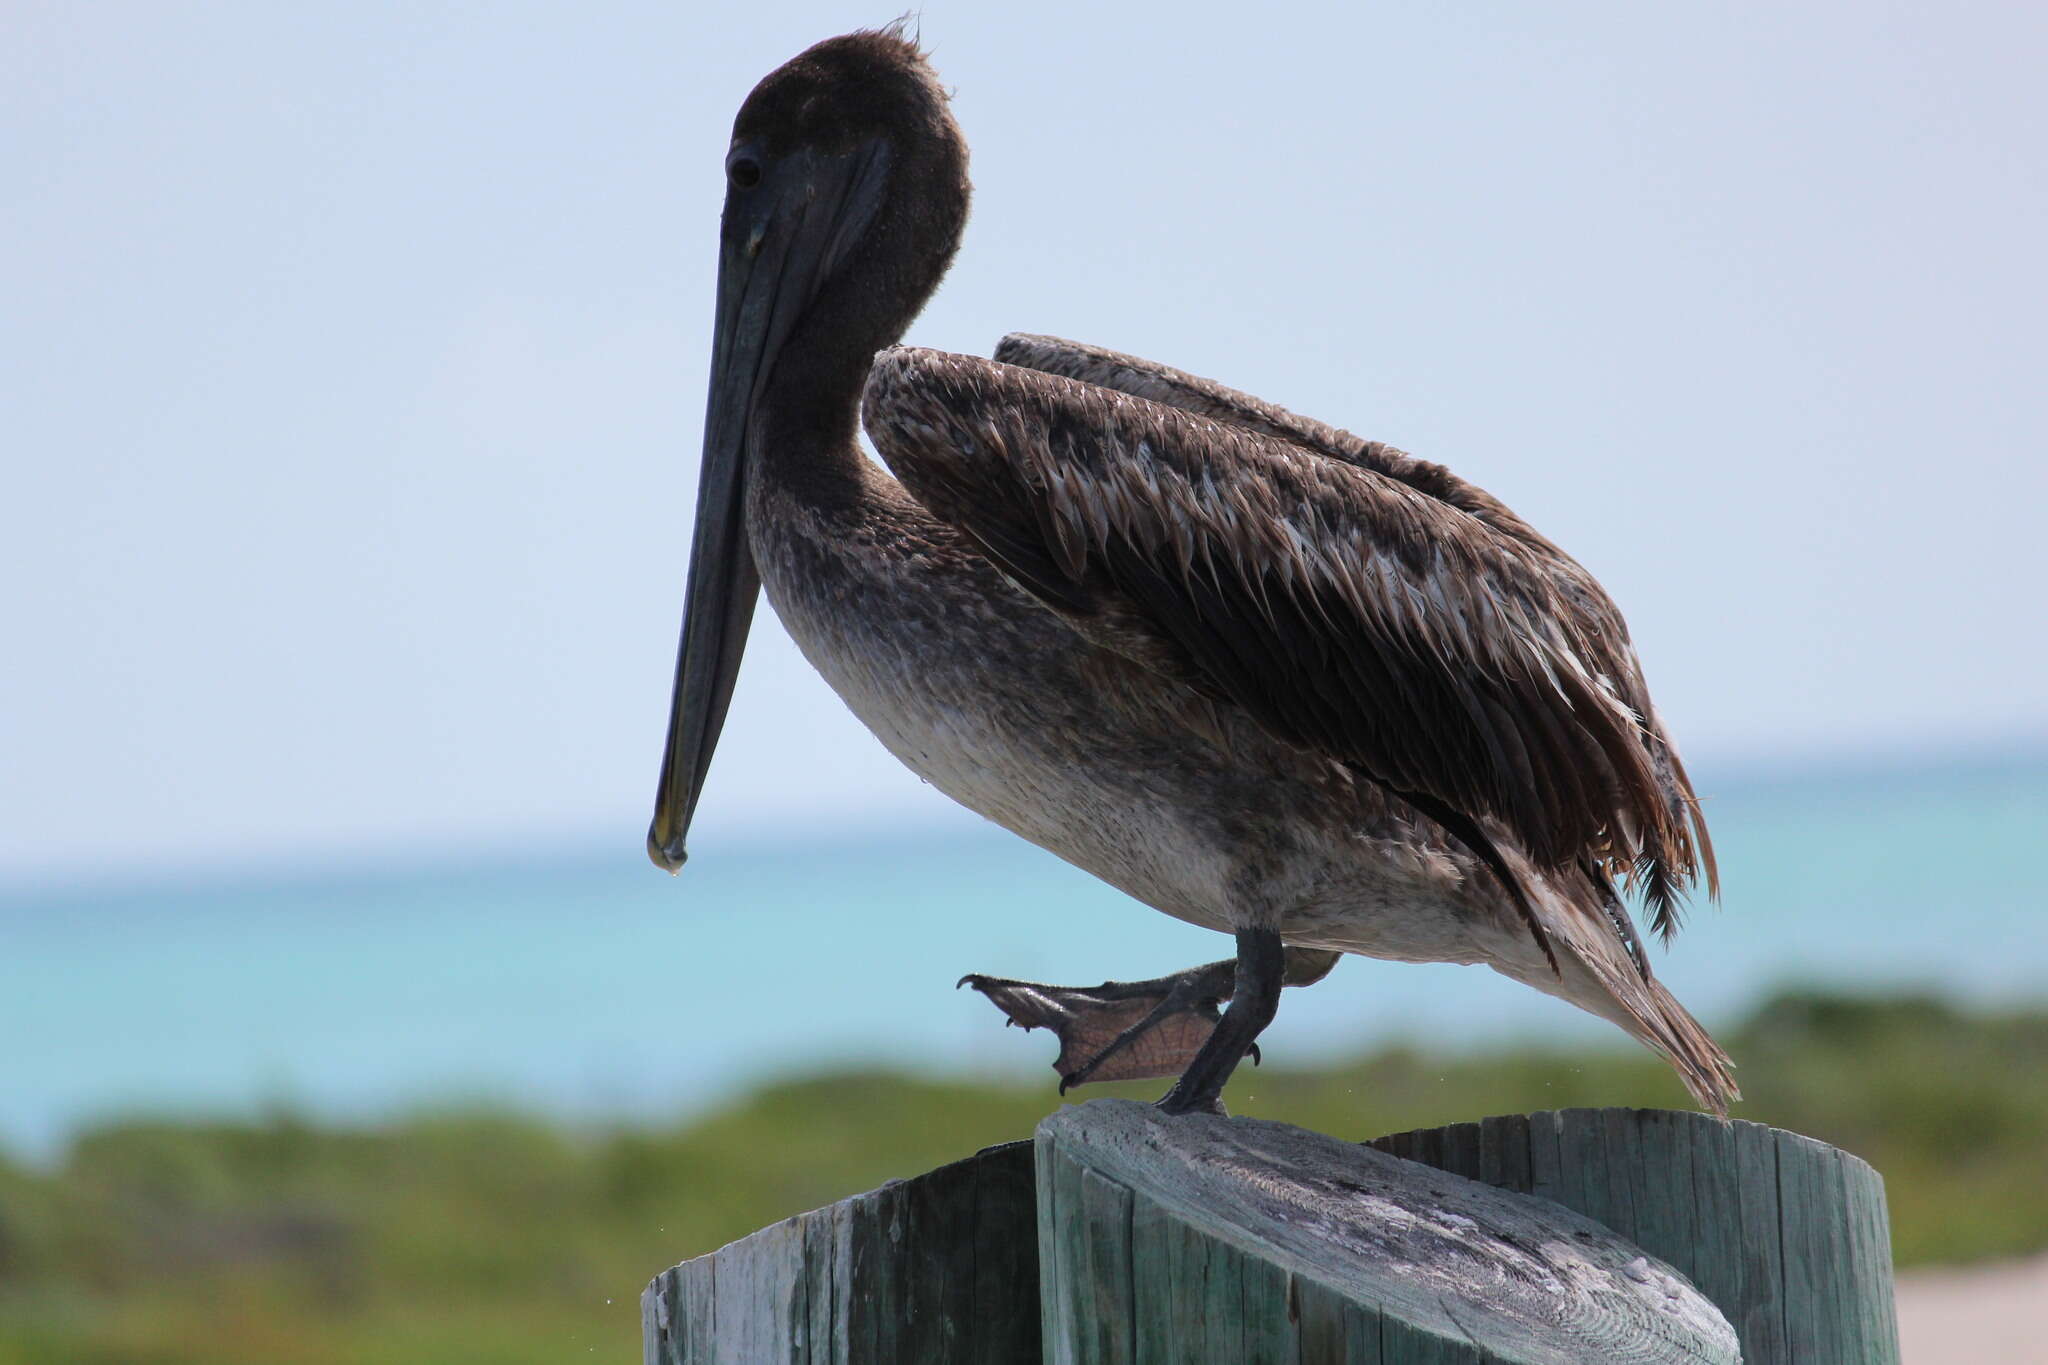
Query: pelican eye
[[744, 172]]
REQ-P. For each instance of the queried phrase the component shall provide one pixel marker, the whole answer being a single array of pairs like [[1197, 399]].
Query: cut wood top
[[1511, 1277]]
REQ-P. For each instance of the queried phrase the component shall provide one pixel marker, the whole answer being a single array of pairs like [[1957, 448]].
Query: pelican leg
[[1261, 971], [1127, 1030]]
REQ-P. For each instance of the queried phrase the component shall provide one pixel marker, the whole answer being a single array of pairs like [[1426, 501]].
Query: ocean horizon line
[[380, 861]]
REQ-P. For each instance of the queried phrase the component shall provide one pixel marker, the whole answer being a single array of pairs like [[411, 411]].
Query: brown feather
[[1678, 848], [1353, 600]]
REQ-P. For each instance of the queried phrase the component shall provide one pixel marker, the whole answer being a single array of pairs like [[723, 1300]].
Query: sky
[[352, 363]]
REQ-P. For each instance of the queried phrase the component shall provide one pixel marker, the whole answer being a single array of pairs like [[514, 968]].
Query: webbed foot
[[1129, 1030], [1120, 1030]]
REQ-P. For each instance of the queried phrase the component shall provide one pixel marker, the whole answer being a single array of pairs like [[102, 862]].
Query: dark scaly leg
[[1261, 971]]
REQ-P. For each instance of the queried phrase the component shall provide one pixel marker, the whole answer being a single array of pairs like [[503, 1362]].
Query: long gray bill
[[779, 240]]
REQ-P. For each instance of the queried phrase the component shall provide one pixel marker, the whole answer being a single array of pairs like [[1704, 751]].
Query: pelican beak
[[781, 237]]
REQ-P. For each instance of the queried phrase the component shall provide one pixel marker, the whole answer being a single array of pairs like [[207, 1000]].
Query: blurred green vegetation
[[492, 1237]]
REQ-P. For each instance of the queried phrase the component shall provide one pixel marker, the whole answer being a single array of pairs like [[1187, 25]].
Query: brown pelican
[[1258, 673]]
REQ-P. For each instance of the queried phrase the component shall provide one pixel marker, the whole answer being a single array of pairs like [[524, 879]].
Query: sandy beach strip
[[1978, 1314]]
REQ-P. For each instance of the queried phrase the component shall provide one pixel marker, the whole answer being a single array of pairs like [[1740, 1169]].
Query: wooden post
[[939, 1268], [1788, 1235], [1212, 1241], [1124, 1236]]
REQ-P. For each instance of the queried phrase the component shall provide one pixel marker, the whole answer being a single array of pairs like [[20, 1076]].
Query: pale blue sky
[[352, 360]]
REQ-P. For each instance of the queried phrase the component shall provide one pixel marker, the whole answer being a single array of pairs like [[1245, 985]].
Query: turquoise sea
[[582, 982]]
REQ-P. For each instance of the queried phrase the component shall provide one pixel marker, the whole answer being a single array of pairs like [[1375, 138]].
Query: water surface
[[590, 985]]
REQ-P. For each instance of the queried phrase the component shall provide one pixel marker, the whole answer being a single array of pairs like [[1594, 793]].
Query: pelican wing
[[1345, 609], [1599, 620]]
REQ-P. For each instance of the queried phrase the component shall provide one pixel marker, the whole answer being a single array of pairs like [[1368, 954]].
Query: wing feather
[[1605, 639], [1326, 588]]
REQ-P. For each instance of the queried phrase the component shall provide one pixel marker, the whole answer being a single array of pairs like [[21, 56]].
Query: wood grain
[[1283, 1245], [940, 1268], [1788, 1235]]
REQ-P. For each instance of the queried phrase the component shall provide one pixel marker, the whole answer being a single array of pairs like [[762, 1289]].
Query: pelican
[[1254, 671]]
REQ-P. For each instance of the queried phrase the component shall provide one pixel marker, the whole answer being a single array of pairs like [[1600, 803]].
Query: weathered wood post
[[1120, 1235], [941, 1267], [1788, 1236], [1210, 1241]]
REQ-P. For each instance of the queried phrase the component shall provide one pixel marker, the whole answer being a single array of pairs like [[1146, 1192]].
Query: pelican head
[[846, 192]]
